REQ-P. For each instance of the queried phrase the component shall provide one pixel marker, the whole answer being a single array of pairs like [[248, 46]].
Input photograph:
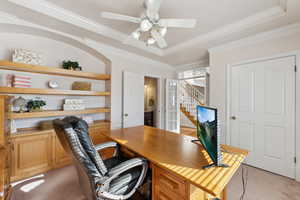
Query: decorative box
[[86, 86]]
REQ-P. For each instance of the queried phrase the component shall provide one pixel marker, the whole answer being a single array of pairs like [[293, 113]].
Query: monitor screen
[[207, 131]]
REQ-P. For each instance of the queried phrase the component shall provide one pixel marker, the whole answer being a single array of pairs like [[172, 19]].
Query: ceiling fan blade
[[114, 16], [159, 39], [152, 7], [178, 23]]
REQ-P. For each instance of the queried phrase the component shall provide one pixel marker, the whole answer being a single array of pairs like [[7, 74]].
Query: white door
[[172, 106], [133, 99], [263, 113]]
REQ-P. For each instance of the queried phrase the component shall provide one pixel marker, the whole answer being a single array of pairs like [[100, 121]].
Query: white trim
[[50, 9], [47, 8], [159, 97], [254, 20], [6, 18], [191, 66], [297, 118], [277, 33], [228, 105]]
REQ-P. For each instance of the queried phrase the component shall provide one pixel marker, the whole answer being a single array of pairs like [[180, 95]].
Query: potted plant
[[71, 65], [35, 105]]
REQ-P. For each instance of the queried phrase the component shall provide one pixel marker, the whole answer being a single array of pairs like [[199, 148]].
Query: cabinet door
[[2, 173], [61, 157], [31, 155], [167, 186]]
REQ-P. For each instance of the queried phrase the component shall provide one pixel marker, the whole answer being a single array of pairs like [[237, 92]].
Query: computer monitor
[[208, 134]]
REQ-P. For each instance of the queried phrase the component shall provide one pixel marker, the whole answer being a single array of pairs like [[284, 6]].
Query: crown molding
[[124, 54], [254, 20], [47, 8], [6, 18], [268, 35], [199, 64], [50, 9]]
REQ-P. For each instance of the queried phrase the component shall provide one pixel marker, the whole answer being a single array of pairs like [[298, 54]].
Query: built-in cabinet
[[31, 151], [36, 152], [5, 149]]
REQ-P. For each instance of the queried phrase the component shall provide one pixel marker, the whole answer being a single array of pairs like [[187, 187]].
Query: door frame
[[296, 54], [159, 97], [178, 105]]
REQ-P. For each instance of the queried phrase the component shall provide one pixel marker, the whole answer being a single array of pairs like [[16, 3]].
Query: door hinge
[[295, 159], [296, 68]]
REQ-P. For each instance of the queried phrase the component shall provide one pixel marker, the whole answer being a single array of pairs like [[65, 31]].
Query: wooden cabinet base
[[167, 186], [40, 151], [31, 155]]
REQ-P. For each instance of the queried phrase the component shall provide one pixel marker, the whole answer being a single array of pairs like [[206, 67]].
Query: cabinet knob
[[233, 117], [126, 115]]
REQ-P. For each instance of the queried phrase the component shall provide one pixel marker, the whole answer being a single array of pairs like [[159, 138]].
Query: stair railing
[[190, 97]]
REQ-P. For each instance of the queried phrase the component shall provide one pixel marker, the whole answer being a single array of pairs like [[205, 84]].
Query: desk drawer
[[168, 185], [163, 195]]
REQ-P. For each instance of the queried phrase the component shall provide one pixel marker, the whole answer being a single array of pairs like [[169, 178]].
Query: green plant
[[71, 65], [35, 104]]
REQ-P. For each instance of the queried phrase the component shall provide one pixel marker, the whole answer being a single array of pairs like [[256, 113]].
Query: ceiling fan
[[150, 23]]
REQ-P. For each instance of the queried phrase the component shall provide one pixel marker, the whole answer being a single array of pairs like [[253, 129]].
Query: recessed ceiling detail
[[218, 22], [151, 26]]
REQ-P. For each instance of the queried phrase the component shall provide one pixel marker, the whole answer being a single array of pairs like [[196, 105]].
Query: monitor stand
[[214, 164]]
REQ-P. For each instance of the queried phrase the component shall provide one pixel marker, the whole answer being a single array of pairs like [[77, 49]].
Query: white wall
[[120, 65], [55, 52], [253, 50]]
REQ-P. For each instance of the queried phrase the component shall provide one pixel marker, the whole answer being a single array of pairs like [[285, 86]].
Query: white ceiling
[[218, 21]]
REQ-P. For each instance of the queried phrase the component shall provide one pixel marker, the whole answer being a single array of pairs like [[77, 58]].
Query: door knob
[[233, 117]]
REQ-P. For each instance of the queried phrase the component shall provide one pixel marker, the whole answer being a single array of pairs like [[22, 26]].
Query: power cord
[[244, 181], [244, 174]]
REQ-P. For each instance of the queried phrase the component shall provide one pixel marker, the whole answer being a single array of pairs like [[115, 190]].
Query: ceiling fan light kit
[[151, 24], [136, 34], [151, 41]]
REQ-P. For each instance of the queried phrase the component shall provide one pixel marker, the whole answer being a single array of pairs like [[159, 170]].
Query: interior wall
[[120, 65], [56, 51], [219, 60]]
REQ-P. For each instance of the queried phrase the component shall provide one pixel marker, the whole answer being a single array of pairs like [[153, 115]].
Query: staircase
[[190, 97]]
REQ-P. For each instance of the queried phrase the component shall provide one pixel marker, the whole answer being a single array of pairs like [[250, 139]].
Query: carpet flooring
[[62, 184]]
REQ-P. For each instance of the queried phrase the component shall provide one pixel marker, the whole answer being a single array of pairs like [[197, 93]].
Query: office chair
[[111, 179]]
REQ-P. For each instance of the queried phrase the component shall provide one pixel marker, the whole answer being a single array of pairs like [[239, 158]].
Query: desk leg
[[224, 194]]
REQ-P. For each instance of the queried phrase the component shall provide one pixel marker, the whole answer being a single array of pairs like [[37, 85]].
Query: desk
[[177, 163]]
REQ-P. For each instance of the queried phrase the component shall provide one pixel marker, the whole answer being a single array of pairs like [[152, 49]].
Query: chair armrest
[[126, 165], [118, 170], [105, 145]]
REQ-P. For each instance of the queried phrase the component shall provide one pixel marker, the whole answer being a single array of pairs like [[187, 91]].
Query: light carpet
[[62, 184]]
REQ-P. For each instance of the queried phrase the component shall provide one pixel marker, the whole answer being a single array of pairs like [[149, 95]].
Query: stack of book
[[21, 81]]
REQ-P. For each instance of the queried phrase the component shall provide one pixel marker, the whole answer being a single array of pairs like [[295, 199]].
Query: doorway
[[151, 110], [262, 113]]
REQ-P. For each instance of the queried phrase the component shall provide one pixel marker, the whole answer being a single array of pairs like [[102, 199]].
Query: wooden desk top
[[176, 153]]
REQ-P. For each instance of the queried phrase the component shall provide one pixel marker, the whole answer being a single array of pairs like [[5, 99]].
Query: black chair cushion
[[125, 182], [114, 161], [82, 128], [77, 149]]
